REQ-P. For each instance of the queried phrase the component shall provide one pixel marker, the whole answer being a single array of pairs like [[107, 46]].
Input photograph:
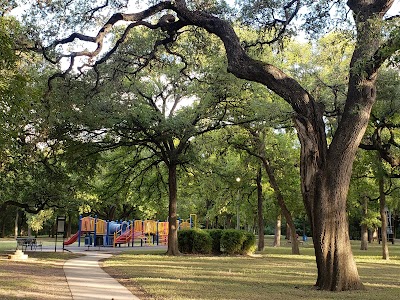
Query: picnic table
[[28, 242]]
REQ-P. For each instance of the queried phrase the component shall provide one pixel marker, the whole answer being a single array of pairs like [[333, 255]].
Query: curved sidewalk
[[87, 280]]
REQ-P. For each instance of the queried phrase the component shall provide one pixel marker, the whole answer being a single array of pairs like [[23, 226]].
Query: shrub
[[185, 240], [202, 242], [249, 243], [194, 241], [216, 240], [232, 241]]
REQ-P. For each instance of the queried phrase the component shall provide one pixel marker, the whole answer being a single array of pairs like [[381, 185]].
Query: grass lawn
[[273, 274], [40, 277]]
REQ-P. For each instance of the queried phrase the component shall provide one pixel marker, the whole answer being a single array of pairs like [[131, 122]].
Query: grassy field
[[273, 274], [40, 277]]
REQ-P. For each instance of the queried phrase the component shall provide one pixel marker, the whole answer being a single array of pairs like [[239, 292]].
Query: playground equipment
[[98, 232], [189, 223]]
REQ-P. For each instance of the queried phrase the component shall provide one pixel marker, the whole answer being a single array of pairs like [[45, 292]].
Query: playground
[[101, 233]]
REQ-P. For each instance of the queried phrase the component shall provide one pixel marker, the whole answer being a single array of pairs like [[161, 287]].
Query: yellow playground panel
[[146, 226], [189, 223], [163, 228], [89, 224]]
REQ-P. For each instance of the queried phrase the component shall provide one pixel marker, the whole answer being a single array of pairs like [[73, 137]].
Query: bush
[[249, 243], [185, 240], [232, 241], [238, 242], [216, 240], [194, 241], [202, 242]]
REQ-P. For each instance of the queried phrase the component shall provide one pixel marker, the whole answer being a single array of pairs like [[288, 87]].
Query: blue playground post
[[107, 233], [157, 232]]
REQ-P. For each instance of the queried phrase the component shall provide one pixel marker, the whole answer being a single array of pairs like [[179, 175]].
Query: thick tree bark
[[278, 229], [364, 228], [382, 209], [260, 217], [173, 228]]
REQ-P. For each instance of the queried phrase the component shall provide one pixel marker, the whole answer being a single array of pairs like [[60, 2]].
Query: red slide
[[72, 239], [124, 238]]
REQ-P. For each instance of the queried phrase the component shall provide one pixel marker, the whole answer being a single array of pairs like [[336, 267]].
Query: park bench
[[24, 243]]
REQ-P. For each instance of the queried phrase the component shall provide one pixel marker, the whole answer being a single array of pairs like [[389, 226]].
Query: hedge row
[[216, 241]]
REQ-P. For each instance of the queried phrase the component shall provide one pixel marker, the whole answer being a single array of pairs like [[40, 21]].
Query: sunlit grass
[[272, 274], [39, 277]]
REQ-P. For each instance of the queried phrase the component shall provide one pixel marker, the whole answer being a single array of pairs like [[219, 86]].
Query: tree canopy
[[113, 39]]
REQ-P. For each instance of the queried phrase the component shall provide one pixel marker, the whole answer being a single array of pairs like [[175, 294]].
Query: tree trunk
[[260, 217], [172, 215], [382, 209], [16, 224], [285, 211], [69, 226], [278, 229], [364, 228]]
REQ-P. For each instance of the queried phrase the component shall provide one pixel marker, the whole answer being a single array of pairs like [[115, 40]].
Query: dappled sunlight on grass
[[39, 277], [272, 274]]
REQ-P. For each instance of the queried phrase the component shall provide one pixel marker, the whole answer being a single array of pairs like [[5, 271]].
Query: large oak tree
[[325, 167]]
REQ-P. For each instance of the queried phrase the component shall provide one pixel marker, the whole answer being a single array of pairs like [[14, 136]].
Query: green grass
[[272, 274], [40, 277]]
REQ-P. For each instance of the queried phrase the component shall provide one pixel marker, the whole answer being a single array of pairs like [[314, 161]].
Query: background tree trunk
[[364, 228], [382, 209], [261, 242], [69, 226], [285, 211], [16, 224], [172, 215], [278, 229]]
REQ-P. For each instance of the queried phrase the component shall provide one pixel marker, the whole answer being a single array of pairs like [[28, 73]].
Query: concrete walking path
[[87, 280]]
